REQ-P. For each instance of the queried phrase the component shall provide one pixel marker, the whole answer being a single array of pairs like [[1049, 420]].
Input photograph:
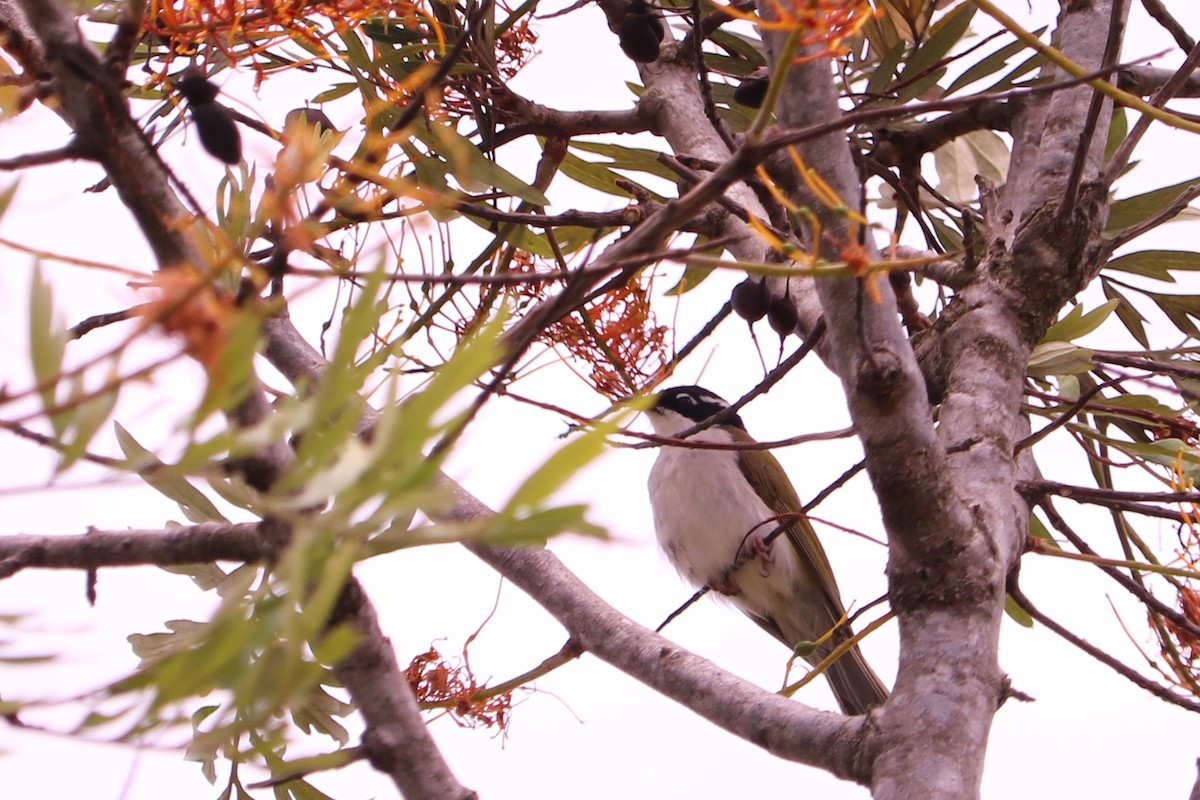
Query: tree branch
[[185, 544]]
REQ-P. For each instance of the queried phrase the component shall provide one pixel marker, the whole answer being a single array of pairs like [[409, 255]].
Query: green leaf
[[629, 158], [89, 415], [6, 197], [1018, 614], [1035, 61], [1180, 309], [991, 64], [561, 466], [47, 344], [195, 506], [1118, 129], [1156, 264], [744, 46], [691, 278], [1038, 530], [1130, 317], [1126, 213], [334, 92], [470, 166], [593, 176], [1077, 323], [946, 33], [1058, 358], [881, 77]]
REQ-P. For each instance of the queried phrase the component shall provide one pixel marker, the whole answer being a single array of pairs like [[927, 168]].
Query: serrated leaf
[[195, 506], [1180, 309]]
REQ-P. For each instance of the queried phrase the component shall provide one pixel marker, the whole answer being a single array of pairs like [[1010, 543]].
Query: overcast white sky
[[589, 731]]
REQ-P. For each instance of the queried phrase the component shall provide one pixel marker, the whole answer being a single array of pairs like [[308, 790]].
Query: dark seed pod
[[640, 32], [217, 130], [195, 88], [313, 118], [782, 315], [753, 90], [214, 122], [750, 299]]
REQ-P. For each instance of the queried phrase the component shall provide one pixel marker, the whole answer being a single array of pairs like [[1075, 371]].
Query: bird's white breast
[[703, 510]]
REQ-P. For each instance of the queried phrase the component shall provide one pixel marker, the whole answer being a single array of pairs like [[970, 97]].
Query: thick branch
[[187, 544]]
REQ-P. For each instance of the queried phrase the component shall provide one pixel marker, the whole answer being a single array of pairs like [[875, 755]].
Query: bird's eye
[[687, 400]]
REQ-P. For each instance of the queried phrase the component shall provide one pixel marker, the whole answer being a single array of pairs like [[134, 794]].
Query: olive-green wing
[[763, 470]]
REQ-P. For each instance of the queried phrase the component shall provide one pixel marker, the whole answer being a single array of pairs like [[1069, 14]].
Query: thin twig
[[1098, 654]]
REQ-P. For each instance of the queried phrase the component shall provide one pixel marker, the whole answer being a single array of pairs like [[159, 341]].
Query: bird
[[710, 506]]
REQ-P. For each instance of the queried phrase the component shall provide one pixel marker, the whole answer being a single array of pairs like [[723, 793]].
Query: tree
[[957, 356]]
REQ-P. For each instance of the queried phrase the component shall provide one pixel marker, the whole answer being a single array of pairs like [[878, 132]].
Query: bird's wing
[[762, 469]]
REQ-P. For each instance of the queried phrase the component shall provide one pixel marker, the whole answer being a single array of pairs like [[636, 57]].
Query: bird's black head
[[696, 404]]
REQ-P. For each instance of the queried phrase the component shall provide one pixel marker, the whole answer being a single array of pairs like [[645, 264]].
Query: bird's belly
[[703, 511]]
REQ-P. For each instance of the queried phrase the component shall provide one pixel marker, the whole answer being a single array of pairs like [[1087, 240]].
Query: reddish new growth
[[439, 684], [220, 23], [189, 307], [1180, 646], [824, 24], [617, 336]]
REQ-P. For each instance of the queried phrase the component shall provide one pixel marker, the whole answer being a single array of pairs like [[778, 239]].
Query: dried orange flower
[[439, 684], [189, 307]]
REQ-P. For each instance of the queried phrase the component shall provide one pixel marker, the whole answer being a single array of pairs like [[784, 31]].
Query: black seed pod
[[750, 299], [314, 118], [218, 133], [753, 90], [640, 32], [214, 122], [782, 315], [195, 88]]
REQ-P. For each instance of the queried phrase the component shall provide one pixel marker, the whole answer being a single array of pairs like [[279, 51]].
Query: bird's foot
[[755, 545], [725, 584]]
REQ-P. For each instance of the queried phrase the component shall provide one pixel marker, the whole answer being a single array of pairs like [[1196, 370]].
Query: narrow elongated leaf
[[1130, 317], [1077, 323], [1156, 264], [1132, 210], [946, 32], [991, 64], [195, 506], [47, 345]]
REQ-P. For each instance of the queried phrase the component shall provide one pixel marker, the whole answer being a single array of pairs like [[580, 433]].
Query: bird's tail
[[856, 686]]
